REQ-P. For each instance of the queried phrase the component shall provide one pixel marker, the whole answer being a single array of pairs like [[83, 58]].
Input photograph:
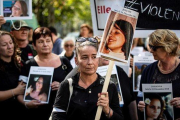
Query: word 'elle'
[[103, 9]]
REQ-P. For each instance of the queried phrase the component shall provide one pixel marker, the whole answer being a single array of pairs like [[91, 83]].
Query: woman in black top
[[164, 45], [87, 87], [43, 44], [9, 73]]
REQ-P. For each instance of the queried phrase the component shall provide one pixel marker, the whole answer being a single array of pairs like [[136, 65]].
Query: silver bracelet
[[12, 93]]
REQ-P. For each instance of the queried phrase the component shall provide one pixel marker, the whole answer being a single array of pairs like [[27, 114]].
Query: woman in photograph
[[43, 44], [154, 107], [164, 45], [87, 88], [68, 44], [119, 40], [9, 73], [19, 9], [38, 91]]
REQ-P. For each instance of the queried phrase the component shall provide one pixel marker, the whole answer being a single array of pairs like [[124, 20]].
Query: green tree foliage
[[50, 12]]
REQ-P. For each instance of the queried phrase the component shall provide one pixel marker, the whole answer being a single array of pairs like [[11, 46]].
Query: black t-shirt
[[127, 91], [83, 102], [26, 53], [10, 108], [151, 74], [43, 112]]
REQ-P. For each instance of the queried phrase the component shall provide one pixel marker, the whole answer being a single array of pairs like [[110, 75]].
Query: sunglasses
[[154, 48], [82, 39], [69, 45]]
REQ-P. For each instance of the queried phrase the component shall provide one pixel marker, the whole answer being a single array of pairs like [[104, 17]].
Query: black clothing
[[26, 53], [70, 57], [151, 74], [83, 103], [43, 112], [10, 108], [127, 92]]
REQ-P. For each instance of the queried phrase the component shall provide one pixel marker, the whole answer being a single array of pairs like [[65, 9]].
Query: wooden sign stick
[[106, 84]]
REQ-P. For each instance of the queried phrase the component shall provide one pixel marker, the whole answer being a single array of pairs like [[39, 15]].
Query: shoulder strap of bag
[[70, 91]]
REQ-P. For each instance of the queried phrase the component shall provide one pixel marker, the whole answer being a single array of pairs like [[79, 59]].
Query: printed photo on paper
[[157, 101], [16, 9], [118, 34], [38, 85], [140, 63], [114, 78]]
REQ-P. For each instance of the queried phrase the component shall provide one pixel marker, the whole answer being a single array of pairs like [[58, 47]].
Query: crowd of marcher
[[76, 87]]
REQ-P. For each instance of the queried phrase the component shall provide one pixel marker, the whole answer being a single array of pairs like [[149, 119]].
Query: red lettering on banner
[[103, 9]]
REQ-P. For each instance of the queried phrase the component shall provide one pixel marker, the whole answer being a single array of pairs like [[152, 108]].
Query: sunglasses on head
[[154, 48], [82, 39], [69, 45]]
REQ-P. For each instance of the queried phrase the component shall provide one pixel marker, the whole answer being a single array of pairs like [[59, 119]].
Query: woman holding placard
[[43, 44], [9, 73], [164, 45], [87, 86]]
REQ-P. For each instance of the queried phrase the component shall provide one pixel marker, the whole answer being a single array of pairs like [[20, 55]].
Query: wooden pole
[[106, 84]]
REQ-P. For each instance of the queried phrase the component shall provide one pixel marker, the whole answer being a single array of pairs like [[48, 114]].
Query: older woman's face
[[69, 46], [116, 39], [87, 60], [153, 109], [6, 46], [44, 45], [17, 9]]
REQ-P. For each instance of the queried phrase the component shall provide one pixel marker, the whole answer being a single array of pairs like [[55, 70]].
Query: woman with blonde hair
[[164, 45]]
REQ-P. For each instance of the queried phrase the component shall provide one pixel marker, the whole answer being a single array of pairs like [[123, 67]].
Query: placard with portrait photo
[[39, 84], [114, 78], [118, 34], [16, 9], [139, 64], [157, 99]]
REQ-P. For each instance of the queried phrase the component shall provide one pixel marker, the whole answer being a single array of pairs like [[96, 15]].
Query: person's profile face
[[17, 9], [39, 84], [86, 60], [116, 38], [153, 109], [6, 46]]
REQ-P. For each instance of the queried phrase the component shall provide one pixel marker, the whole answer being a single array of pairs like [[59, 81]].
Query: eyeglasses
[[154, 48], [16, 8], [82, 39], [69, 45]]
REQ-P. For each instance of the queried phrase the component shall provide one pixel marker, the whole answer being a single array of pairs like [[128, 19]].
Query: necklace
[[168, 71]]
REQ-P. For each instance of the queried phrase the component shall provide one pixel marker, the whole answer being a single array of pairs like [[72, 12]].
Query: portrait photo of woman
[[117, 37], [37, 88], [19, 9], [154, 107]]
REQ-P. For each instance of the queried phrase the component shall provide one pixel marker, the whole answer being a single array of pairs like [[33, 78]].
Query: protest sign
[[139, 64], [155, 14], [157, 99], [118, 34], [16, 9], [39, 84]]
